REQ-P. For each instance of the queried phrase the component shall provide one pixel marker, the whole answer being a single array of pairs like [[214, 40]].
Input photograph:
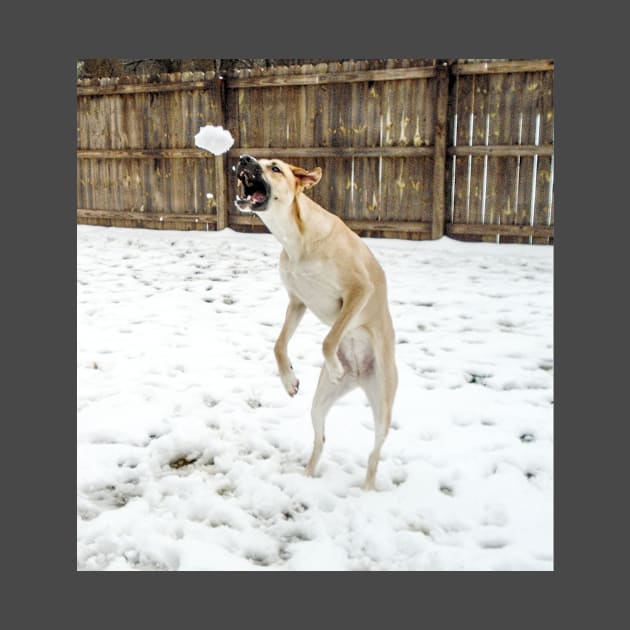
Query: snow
[[214, 139], [190, 455]]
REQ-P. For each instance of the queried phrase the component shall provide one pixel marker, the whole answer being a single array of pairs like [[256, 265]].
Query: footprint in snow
[[493, 543]]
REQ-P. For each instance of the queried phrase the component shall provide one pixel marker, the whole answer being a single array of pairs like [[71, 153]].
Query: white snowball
[[214, 139]]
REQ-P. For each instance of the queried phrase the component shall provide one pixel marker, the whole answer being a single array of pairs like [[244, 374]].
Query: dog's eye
[[276, 169]]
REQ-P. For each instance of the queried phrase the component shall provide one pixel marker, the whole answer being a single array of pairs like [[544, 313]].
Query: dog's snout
[[247, 164], [246, 160]]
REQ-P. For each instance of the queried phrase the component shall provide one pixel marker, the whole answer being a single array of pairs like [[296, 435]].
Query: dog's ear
[[306, 179]]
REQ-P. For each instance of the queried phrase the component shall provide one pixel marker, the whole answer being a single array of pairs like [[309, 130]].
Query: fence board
[[546, 136], [308, 110], [526, 65], [304, 152], [465, 88], [389, 191], [480, 89], [438, 165], [292, 116], [368, 187], [162, 221], [496, 184], [256, 131], [520, 135], [325, 75]]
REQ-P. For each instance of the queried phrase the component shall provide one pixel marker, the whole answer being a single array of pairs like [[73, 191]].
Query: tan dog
[[327, 268]]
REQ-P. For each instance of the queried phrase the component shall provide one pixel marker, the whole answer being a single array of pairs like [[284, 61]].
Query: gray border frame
[[41, 250]]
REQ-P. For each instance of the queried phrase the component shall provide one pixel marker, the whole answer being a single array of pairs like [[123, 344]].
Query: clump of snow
[[191, 456], [214, 139]]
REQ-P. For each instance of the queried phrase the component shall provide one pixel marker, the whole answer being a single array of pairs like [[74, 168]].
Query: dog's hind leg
[[325, 396], [379, 385]]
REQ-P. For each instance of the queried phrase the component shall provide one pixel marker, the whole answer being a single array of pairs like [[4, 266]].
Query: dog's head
[[264, 184]]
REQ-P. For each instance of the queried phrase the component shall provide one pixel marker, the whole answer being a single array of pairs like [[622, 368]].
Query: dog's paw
[[291, 383], [292, 390]]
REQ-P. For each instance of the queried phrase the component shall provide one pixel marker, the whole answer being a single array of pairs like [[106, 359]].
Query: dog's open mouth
[[253, 191]]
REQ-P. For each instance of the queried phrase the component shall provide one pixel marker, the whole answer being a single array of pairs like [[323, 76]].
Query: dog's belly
[[356, 352]]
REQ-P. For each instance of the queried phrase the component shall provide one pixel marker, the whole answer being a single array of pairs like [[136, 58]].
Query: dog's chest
[[315, 283]]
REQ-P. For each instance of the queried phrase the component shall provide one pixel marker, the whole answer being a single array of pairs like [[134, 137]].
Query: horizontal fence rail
[[419, 151]]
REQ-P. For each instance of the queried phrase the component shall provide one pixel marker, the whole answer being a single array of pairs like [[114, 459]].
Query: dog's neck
[[286, 223]]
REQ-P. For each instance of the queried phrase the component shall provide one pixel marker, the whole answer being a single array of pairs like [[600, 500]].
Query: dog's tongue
[[258, 196]]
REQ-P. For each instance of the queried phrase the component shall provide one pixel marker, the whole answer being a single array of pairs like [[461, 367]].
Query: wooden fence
[[420, 151]]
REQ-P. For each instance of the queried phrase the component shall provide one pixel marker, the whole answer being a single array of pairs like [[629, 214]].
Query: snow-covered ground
[[190, 455]]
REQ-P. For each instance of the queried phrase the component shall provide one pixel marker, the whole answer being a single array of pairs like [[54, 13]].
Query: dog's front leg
[[352, 305], [295, 312]]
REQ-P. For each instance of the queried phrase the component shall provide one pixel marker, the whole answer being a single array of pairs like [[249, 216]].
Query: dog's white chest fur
[[316, 284]]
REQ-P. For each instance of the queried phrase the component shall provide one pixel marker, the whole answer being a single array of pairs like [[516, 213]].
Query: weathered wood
[[223, 203], [143, 88], [390, 226], [528, 164], [386, 226], [356, 137], [331, 151], [478, 229], [203, 216], [495, 179], [501, 67], [439, 158], [333, 77], [126, 154], [306, 137], [222, 176], [235, 119], [461, 207], [151, 220], [368, 188], [478, 170], [547, 127]]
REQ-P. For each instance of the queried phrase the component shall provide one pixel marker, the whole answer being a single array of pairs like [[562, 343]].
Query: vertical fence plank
[[223, 195], [388, 174], [509, 135], [462, 179], [237, 121], [439, 156], [544, 192], [478, 137], [370, 174], [496, 181], [527, 114]]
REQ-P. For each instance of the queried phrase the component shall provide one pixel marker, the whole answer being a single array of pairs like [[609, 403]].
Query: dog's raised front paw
[[291, 383], [293, 388]]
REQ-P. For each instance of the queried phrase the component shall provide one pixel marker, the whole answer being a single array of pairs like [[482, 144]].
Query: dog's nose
[[244, 160]]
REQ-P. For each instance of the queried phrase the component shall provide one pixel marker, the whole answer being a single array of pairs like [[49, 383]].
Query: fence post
[[221, 166], [439, 159], [221, 188]]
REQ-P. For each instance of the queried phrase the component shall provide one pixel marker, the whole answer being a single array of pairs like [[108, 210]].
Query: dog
[[327, 268]]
